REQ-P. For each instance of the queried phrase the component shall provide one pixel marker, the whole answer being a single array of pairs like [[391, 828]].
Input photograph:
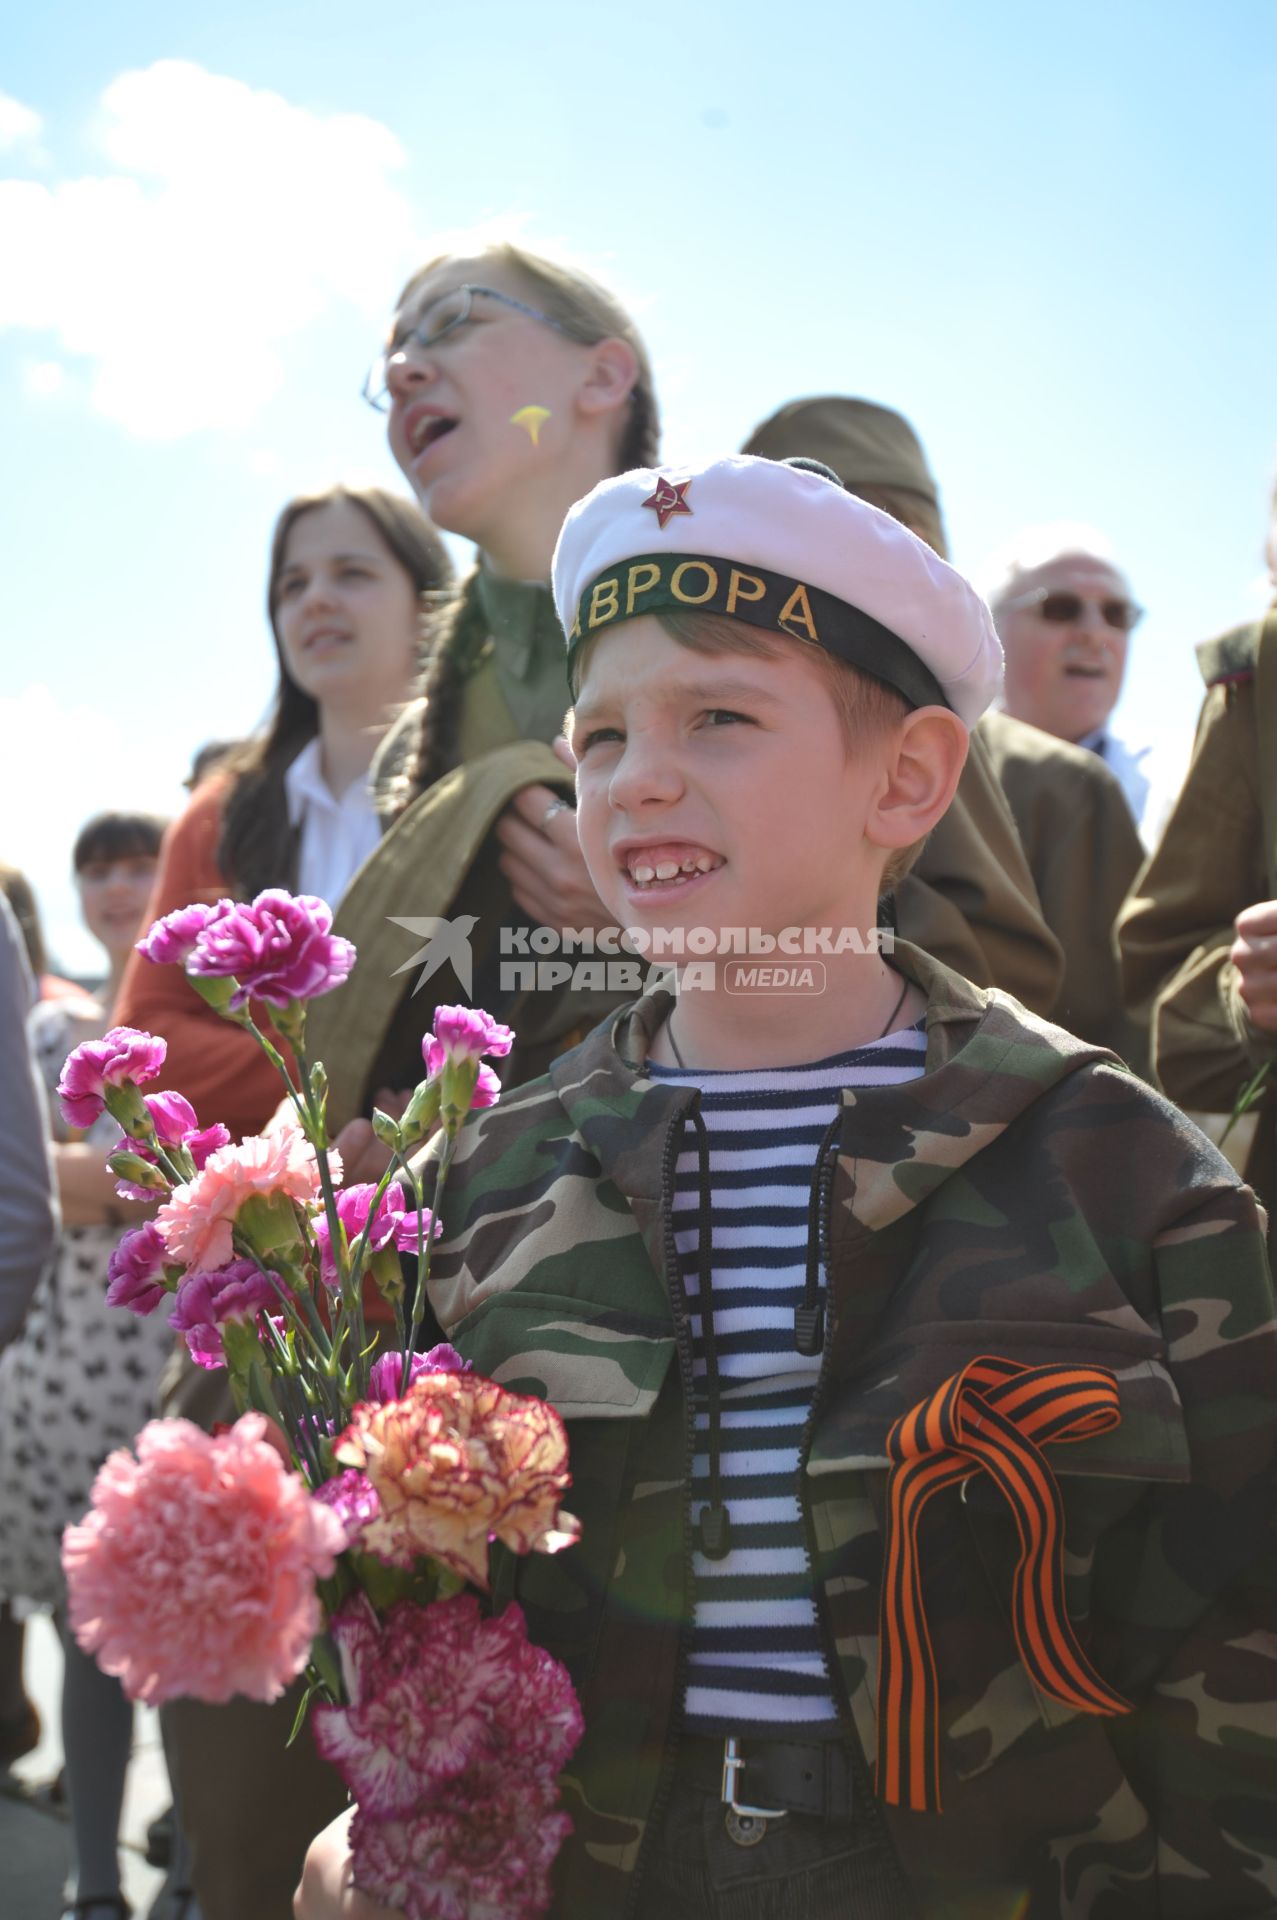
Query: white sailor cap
[[783, 547]]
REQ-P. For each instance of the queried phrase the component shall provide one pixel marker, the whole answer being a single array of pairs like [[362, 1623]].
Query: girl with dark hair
[[81, 1378], [355, 576]]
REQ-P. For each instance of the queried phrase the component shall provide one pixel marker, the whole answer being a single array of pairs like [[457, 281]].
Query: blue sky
[[1044, 234]]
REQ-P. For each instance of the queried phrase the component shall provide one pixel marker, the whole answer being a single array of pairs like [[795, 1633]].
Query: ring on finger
[[555, 806]]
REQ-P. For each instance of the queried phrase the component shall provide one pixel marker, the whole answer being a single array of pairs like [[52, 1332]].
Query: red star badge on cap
[[670, 498]]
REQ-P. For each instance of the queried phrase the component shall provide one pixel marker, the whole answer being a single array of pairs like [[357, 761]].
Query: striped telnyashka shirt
[[756, 1663]]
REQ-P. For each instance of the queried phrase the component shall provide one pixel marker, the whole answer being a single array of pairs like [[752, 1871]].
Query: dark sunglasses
[[1067, 609]]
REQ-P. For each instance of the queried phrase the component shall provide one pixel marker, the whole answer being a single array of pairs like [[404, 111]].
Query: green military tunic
[[1083, 851], [1217, 856], [1026, 1199]]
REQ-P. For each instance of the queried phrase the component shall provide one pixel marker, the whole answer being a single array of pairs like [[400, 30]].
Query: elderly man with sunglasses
[[1065, 615]]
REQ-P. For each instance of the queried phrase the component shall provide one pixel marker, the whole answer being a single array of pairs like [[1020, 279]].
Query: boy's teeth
[[705, 862], [642, 874], [666, 869]]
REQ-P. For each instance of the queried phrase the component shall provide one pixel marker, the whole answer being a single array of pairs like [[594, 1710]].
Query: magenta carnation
[[168, 941], [135, 1271], [279, 949], [122, 1057], [353, 1498], [206, 1301], [385, 1375], [176, 1125], [172, 1116], [462, 1031], [394, 1224], [487, 1088], [193, 1574]]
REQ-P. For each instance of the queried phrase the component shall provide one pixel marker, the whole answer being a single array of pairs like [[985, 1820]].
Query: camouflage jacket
[[1026, 1198]]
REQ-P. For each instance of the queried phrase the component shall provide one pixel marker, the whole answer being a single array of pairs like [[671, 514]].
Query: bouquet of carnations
[[206, 1566]]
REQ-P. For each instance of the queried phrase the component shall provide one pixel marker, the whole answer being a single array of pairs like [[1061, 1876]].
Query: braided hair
[[587, 313]]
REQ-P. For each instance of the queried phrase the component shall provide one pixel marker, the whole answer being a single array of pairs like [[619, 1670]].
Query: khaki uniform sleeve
[[1084, 851], [1195, 1605], [1176, 928], [970, 900]]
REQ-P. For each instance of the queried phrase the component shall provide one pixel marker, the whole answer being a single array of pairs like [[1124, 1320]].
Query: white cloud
[[19, 125], [44, 378], [230, 220], [63, 763]]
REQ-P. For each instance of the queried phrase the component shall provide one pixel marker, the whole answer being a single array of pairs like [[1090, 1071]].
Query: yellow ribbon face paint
[[532, 419]]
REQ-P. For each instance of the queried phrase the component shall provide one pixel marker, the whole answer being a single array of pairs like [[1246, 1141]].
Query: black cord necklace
[[891, 1017]]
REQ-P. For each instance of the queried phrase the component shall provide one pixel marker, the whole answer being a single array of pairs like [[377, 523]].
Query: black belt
[[770, 1777]]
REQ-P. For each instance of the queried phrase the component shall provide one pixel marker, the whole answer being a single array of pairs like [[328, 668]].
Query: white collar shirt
[[336, 835]]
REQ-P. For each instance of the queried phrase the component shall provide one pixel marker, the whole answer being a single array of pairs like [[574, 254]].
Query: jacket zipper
[[683, 1347], [869, 1809]]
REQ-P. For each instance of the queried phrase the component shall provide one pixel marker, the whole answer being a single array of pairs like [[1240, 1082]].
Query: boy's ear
[[921, 776], [610, 377]]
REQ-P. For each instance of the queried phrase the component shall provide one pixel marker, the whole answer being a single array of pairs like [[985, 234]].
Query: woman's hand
[[541, 858], [327, 1890], [1254, 954]]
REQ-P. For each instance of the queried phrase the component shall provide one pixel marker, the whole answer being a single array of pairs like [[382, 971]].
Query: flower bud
[[386, 1130], [421, 1114], [128, 1109], [140, 1172]]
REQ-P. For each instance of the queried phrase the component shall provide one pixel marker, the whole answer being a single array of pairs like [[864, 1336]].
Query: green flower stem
[[423, 1252], [1250, 1096]]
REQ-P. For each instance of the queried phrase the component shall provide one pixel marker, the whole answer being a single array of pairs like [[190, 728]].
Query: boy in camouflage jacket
[[1036, 1475]]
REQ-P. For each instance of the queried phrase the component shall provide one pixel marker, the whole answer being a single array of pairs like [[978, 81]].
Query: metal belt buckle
[[734, 1763]]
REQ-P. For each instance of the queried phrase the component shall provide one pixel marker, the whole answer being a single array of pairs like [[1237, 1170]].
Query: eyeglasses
[[435, 322], [1067, 609]]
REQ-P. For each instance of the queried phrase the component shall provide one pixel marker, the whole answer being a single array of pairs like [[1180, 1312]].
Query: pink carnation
[[170, 940], [122, 1057], [196, 1219], [279, 949], [206, 1301], [393, 1225], [193, 1574], [135, 1271]]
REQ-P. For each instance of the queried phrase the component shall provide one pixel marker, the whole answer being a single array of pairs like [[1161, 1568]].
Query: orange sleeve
[[220, 1068]]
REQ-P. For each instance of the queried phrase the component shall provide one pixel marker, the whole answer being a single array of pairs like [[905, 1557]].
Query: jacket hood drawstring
[[713, 1528]]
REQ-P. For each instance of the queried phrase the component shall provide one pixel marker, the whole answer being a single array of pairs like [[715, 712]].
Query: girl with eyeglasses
[[511, 385]]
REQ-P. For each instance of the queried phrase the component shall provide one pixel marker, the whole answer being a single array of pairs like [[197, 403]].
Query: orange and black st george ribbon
[[993, 1417]]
